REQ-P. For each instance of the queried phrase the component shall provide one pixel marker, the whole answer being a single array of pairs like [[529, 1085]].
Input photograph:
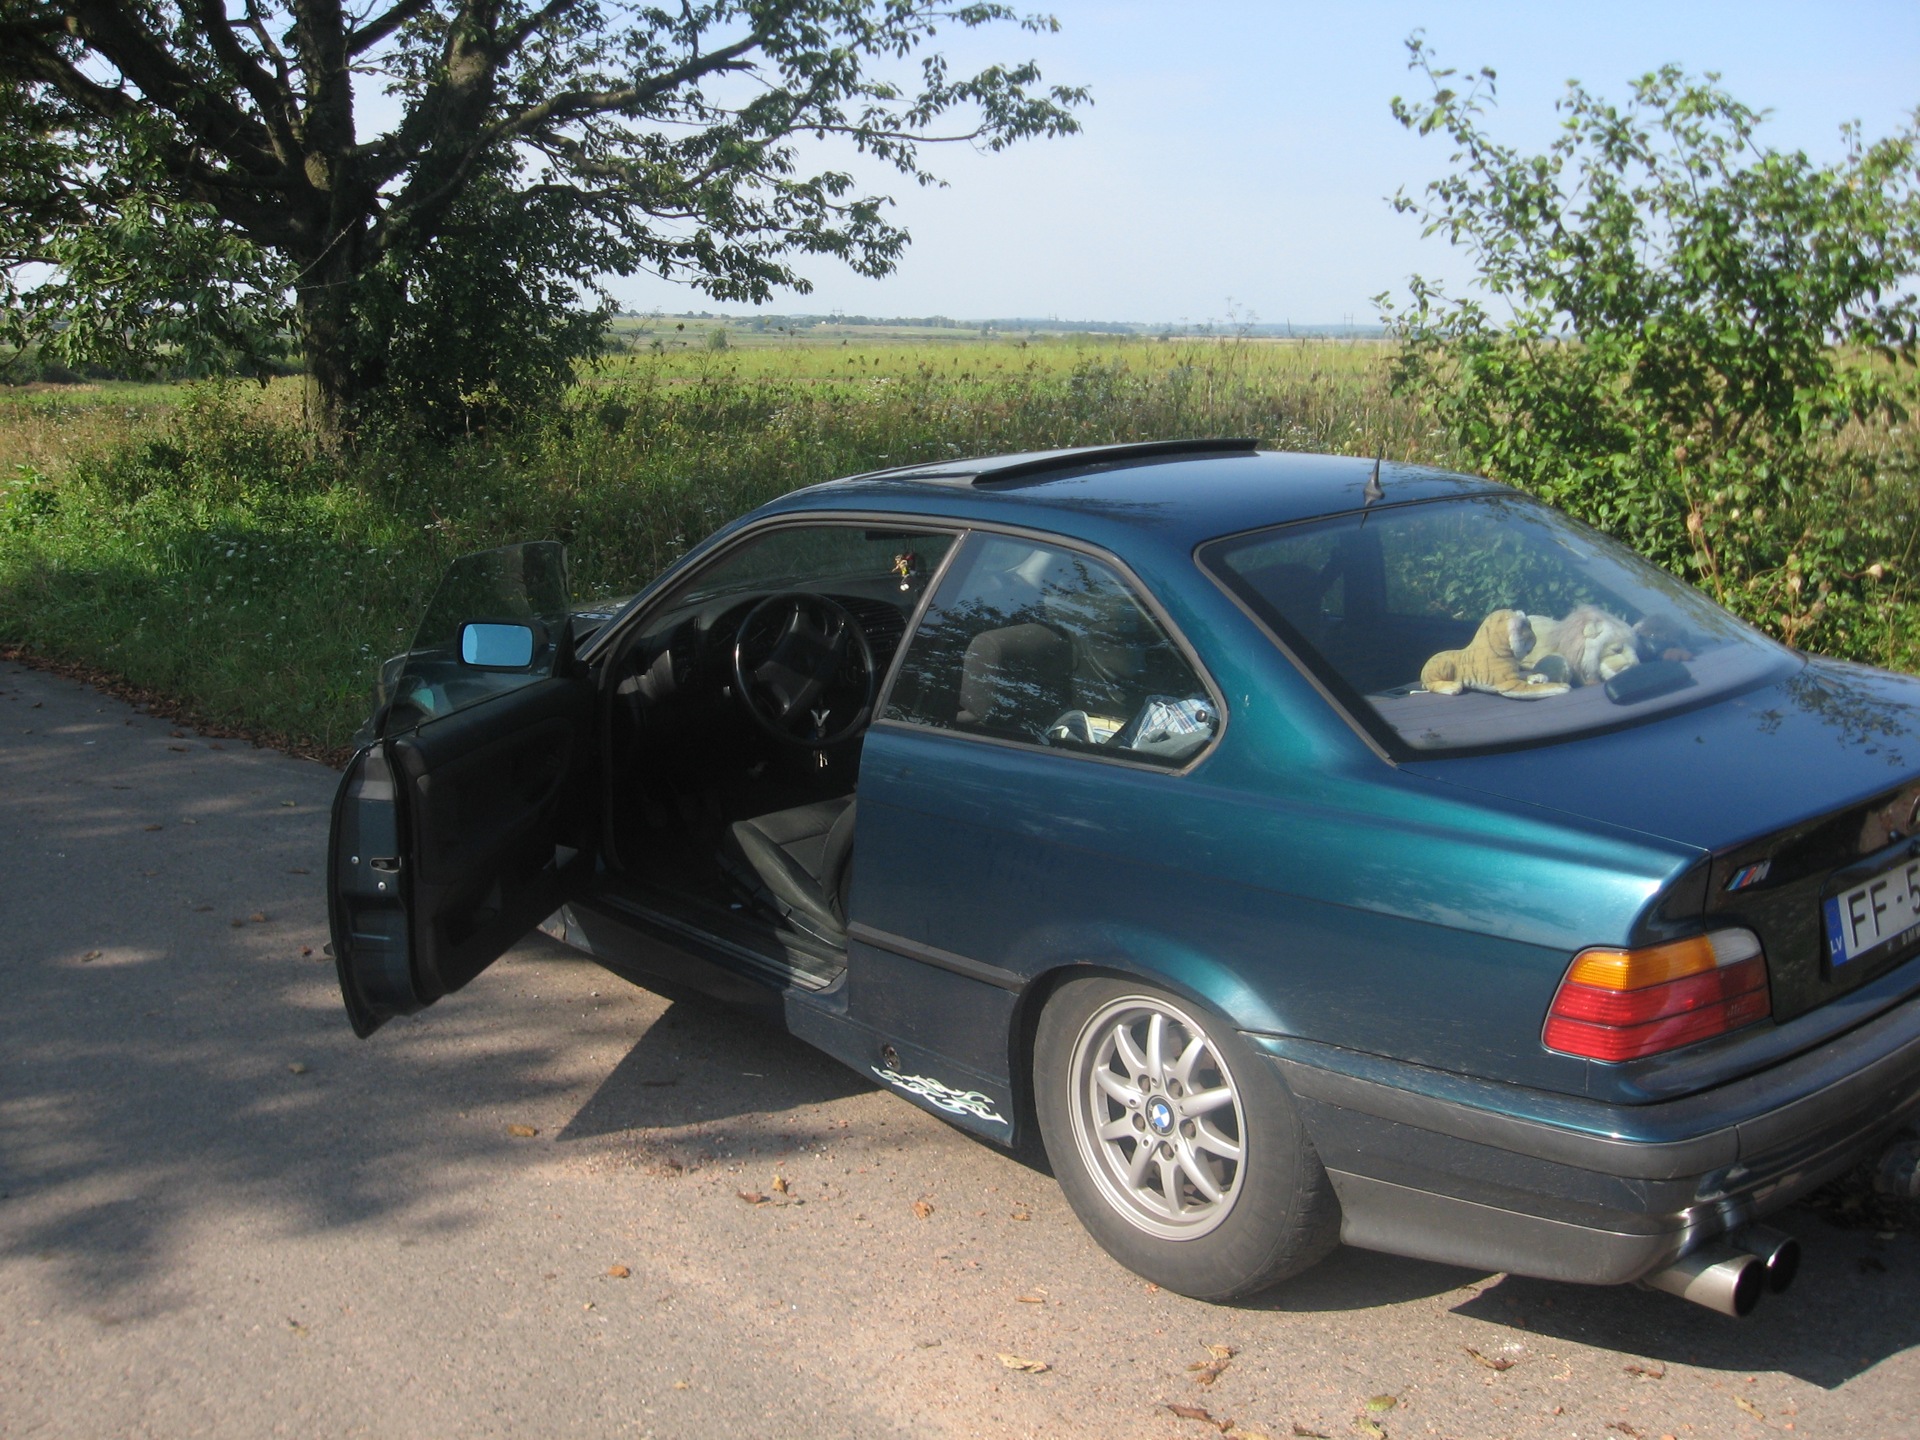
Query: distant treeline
[[32, 368], [1032, 325]]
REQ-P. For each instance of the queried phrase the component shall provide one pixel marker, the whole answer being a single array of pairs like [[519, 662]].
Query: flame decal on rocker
[[943, 1097]]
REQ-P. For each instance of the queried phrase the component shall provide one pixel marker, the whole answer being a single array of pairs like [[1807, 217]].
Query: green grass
[[187, 540]]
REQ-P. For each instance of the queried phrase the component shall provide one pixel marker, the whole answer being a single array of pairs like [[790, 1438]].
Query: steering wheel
[[801, 662]]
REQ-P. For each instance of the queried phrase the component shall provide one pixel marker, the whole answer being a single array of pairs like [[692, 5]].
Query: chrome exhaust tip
[[1779, 1253], [1716, 1276]]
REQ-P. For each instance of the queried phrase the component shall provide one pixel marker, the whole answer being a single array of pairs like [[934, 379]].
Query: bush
[[1693, 343]]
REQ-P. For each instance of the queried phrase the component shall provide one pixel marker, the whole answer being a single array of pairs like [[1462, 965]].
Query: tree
[[195, 172], [1674, 330]]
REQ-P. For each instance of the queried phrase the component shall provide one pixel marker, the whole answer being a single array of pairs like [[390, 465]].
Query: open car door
[[469, 815]]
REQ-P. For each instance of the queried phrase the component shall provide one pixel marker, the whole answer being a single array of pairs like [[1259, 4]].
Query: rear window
[[1487, 622]]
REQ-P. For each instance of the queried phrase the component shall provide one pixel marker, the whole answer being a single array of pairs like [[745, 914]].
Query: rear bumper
[[1475, 1173]]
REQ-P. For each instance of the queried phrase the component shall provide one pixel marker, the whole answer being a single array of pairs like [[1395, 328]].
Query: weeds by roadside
[[206, 551]]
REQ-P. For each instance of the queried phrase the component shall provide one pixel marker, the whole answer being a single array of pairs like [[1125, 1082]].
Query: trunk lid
[[1797, 790]]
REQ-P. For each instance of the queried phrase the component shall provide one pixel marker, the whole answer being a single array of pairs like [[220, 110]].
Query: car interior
[[735, 717], [737, 709], [1367, 599]]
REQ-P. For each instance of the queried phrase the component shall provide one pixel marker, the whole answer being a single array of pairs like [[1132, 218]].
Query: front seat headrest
[[1015, 680]]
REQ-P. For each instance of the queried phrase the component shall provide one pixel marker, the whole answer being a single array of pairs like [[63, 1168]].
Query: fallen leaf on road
[[153, 827], [1022, 1215], [1030, 1299], [682, 1385], [305, 950], [752, 1197], [295, 1326], [259, 917], [1624, 1429], [177, 734], [1492, 1362], [289, 804], [1380, 1404], [1368, 1428], [1152, 1289], [922, 1209], [1649, 1372], [619, 1272], [89, 956], [237, 923], [1747, 1405], [181, 748], [1208, 1371], [1301, 1432], [1195, 1412], [779, 1184], [523, 1132], [1021, 1363], [296, 1068]]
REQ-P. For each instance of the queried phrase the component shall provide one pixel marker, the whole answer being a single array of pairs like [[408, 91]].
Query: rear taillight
[[1624, 1004]]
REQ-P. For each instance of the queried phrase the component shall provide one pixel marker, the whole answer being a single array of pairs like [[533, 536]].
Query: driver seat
[[799, 861]]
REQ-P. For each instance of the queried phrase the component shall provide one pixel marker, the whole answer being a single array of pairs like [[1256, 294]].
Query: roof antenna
[[1373, 491]]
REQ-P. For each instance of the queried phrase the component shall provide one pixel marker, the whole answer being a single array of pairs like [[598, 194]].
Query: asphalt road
[[222, 1215]]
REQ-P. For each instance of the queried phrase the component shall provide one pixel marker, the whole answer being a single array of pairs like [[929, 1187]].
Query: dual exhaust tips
[[1731, 1275]]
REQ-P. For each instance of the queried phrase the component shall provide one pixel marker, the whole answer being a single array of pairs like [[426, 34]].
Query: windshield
[[1486, 622], [815, 556]]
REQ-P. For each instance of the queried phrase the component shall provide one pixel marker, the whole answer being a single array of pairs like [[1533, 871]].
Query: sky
[[1237, 159]]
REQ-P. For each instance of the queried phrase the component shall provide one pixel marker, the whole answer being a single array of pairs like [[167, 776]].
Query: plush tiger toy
[[1492, 662]]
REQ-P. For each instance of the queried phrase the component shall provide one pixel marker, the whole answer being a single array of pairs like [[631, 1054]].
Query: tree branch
[[271, 100], [142, 57], [578, 104], [361, 38]]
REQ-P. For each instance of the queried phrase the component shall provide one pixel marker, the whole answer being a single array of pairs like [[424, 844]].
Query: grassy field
[[187, 539]]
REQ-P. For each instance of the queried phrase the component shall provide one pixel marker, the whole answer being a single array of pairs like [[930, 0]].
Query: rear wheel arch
[[1280, 1215]]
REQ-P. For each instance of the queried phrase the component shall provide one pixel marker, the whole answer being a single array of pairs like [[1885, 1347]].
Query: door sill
[[790, 958]]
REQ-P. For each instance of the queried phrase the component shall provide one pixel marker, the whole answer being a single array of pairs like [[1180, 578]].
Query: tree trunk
[[325, 328], [342, 371]]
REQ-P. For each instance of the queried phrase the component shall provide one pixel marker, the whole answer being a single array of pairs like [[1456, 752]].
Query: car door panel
[[453, 840]]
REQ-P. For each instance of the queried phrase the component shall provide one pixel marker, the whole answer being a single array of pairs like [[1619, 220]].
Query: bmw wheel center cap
[[1160, 1117]]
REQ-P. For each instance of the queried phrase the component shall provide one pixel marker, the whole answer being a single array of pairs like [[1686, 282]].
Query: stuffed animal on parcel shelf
[[1491, 662], [1594, 645]]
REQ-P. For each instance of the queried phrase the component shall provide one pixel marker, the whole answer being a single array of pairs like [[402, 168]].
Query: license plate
[[1880, 913]]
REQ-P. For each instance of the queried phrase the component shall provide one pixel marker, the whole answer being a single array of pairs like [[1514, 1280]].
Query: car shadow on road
[[1351, 1279], [1854, 1305], [700, 1063]]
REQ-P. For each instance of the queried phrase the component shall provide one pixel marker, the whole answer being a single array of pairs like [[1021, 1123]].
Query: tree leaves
[[205, 184]]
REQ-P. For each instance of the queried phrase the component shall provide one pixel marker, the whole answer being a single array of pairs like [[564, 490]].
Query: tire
[[1272, 1213]]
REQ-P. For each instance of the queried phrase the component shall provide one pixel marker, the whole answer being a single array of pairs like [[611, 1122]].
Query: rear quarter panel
[[1292, 879]]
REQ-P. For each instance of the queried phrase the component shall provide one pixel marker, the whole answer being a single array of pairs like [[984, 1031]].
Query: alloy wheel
[[1157, 1117]]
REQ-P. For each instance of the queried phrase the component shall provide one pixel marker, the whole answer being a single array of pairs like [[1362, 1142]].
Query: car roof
[[1172, 494]]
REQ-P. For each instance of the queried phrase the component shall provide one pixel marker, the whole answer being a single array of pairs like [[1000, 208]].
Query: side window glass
[[514, 593], [1049, 647]]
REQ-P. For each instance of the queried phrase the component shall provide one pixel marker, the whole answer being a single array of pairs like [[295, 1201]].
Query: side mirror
[[497, 645]]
